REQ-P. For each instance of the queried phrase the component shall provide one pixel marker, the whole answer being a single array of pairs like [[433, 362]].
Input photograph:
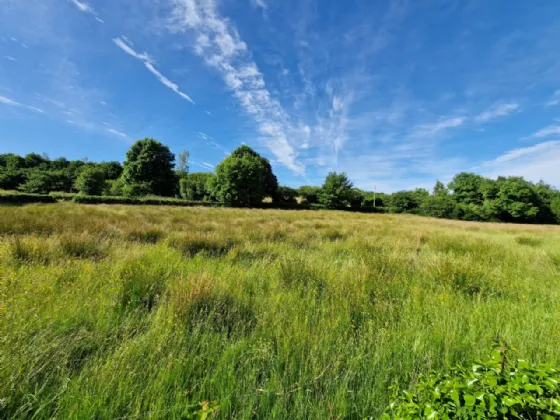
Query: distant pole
[[374, 191]]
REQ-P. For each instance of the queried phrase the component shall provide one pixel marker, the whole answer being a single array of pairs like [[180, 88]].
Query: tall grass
[[115, 311]]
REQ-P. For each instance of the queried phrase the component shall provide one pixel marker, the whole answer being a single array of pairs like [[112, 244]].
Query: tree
[[34, 160], [356, 198], [516, 201], [309, 193], [41, 182], [336, 192], [405, 202], [440, 189], [441, 206], [270, 180], [287, 195], [244, 179], [149, 166], [196, 186], [182, 166], [468, 188], [91, 181], [111, 170]]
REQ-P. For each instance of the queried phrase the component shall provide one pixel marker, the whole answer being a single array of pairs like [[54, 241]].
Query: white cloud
[[219, 44], [86, 8], [117, 133], [431, 129], [547, 131], [149, 63], [123, 46], [261, 3], [552, 102], [533, 163], [9, 58], [8, 101], [497, 112]]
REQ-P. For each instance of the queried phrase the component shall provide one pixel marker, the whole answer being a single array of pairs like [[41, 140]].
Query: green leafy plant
[[498, 388]]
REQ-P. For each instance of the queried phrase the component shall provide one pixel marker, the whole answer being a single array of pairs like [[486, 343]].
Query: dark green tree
[[111, 170], [441, 206], [336, 192], [91, 181], [468, 188], [149, 166], [244, 179], [405, 202]]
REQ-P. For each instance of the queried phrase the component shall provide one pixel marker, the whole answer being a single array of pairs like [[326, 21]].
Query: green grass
[[146, 311]]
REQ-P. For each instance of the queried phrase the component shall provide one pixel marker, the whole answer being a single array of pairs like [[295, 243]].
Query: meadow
[[114, 311]]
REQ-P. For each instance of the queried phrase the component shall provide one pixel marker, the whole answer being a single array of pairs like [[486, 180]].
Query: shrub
[[196, 186], [91, 181], [136, 190], [20, 198], [497, 388]]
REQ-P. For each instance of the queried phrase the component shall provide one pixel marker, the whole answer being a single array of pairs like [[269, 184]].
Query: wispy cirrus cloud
[[118, 133], [219, 44], [531, 162], [555, 100], [547, 131], [498, 111], [9, 58], [149, 64], [7, 101], [86, 8], [212, 143]]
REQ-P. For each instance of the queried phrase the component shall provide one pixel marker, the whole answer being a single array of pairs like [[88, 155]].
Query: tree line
[[245, 179]]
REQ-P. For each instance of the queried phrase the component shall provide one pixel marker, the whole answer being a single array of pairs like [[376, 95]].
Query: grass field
[[145, 312]]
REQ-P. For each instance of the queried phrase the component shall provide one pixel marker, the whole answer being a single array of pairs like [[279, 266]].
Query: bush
[[497, 388], [443, 207], [136, 190], [91, 181], [196, 186], [20, 198], [157, 201]]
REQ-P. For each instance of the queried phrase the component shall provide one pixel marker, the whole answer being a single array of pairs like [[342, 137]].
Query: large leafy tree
[[244, 178], [336, 192], [468, 188], [150, 164], [516, 200]]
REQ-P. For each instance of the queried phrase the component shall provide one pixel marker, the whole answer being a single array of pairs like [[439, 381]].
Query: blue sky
[[395, 93]]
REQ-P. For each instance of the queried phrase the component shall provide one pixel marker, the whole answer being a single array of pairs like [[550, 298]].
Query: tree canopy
[[336, 191], [244, 178], [151, 165]]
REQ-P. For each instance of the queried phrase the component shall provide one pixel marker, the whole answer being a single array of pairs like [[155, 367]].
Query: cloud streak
[[496, 112], [10, 102], [86, 8], [149, 64], [219, 44]]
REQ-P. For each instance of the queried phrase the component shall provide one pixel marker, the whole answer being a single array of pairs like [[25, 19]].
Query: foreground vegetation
[[163, 312]]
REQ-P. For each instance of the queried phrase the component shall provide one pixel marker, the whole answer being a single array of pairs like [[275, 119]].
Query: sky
[[395, 93]]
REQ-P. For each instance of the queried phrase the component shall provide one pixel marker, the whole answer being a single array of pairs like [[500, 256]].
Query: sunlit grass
[[112, 311]]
